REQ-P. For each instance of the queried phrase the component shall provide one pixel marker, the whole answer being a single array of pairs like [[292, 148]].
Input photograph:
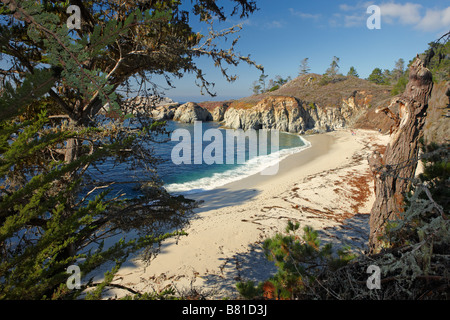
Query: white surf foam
[[251, 167]]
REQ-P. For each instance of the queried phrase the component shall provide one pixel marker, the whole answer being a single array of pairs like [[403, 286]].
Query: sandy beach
[[327, 186]]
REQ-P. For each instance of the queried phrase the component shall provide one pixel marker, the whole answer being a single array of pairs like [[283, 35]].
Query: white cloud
[[275, 24], [435, 20], [413, 14], [334, 21], [446, 17], [245, 22], [408, 13], [354, 20], [360, 5], [304, 15], [346, 7], [353, 15]]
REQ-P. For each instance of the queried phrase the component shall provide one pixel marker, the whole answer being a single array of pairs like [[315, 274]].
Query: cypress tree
[[56, 83]]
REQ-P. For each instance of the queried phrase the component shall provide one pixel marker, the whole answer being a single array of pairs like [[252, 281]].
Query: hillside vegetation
[[321, 91], [311, 88]]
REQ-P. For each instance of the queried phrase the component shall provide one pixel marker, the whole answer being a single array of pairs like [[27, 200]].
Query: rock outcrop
[[292, 115], [166, 112], [303, 105], [161, 108], [218, 113], [288, 114], [190, 112]]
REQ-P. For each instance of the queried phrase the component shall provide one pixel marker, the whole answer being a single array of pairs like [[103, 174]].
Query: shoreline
[[255, 166], [327, 186], [319, 146]]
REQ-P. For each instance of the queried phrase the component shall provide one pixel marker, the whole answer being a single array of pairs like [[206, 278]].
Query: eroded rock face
[[219, 112], [190, 112], [164, 112], [284, 113], [291, 115]]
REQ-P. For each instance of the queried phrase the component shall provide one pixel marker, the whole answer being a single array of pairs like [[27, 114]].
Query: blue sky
[[283, 32]]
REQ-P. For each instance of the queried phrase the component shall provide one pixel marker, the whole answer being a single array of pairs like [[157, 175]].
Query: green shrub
[[276, 87], [300, 261], [324, 80], [248, 290], [400, 86]]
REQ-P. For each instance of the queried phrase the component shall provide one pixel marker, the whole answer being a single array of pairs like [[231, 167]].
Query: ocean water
[[191, 177]]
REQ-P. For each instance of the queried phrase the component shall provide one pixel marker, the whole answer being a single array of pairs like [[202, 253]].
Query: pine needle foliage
[[41, 233], [300, 261]]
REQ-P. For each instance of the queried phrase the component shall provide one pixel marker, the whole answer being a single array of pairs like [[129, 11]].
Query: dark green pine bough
[[53, 83]]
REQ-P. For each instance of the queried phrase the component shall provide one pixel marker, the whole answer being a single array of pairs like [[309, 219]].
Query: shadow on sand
[[253, 264], [221, 198]]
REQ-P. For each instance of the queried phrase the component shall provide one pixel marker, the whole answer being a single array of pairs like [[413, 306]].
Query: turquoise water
[[189, 177]]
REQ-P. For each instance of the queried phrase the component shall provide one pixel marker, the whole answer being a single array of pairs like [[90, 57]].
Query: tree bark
[[72, 150], [393, 172]]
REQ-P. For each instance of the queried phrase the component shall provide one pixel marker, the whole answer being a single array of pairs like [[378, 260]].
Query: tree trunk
[[394, 170], [72, 150]]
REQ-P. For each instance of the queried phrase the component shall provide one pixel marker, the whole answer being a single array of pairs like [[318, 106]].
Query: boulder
[[190, 112], [166, 112]]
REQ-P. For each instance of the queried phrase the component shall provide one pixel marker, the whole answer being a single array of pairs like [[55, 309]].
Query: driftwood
[[394, 170]]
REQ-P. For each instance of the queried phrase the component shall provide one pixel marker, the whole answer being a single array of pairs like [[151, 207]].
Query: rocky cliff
[[303, 105], [306, 104], [290, 114]]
